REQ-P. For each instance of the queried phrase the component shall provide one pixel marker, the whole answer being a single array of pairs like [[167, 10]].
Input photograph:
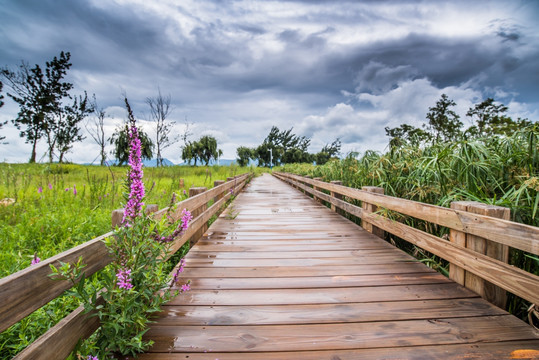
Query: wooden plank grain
[[18, 291], [339, 336], [316, 296], [317, 281], [298, 271], [325, 313], [478, 351]]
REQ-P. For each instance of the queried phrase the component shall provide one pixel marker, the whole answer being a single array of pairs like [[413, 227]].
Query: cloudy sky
[[329, 69]]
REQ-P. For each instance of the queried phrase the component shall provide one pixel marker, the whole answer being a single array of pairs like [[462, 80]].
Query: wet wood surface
[[280, 276]]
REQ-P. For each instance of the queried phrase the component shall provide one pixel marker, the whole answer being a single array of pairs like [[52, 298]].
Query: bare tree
[[96, 129], [160, 109], [187, 131]]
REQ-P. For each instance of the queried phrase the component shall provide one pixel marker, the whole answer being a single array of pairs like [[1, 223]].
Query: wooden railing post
[[117, 217], [196, 212], [336, 196], [318, 189], [118, 214], [456, 273], [370, 208], [215, 184], [488, 291]]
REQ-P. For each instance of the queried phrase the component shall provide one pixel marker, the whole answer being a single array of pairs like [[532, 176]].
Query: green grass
[[47, 218]]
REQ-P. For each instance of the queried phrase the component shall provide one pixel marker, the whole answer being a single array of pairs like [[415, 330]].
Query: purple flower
[[39, 190], [90, 357], [50, 186], [124, 279], [74, 190], [133, 208], [35, 260], [177, 273], [67, 189], [186, 218], [185, 287], [184, 192]]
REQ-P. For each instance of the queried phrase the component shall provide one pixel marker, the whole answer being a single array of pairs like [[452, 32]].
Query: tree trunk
[[33, 156]]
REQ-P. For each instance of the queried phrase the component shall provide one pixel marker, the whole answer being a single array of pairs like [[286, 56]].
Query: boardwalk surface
[[280, 276]]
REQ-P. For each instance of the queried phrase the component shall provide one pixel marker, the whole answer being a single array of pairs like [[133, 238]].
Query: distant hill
[[153, 163]]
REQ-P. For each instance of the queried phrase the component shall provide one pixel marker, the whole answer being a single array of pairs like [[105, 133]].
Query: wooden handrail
[[516, 235], [83, 325], [510, 278], [18, 291]]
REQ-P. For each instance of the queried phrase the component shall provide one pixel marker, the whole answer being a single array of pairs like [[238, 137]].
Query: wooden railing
[[28, 290], [477, 246]]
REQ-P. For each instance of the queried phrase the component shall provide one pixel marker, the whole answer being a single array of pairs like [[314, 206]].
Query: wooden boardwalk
[[279, 276]]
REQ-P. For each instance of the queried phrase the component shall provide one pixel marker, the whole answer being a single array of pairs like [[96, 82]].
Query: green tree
[[207, 149], [244, 155], [328, 151], [30, 92], [285, 146], [188, 152], [40, 95], [489, 119], [69, 130], [406, 134], [444, 124], [120, 140]]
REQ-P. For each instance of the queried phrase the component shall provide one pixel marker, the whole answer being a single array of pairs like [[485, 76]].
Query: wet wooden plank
[[297, 271], [338, 336], [307, 254], [319, 296], [477, 351], [358, 260], [326, 313], [316, 281]]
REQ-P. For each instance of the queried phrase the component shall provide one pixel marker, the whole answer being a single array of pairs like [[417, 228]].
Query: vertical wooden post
[[196, 212], [118, 214], [151, 208], [488, 291], [309, 185], [182, 183], [336, 196], [315, 188], [215, 184], [117, 217], [456, 273], [370, 208]]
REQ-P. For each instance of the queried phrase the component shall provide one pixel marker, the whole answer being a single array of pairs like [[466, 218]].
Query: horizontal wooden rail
[[78, 325], [510, 278], [516, 235], [18, 291]]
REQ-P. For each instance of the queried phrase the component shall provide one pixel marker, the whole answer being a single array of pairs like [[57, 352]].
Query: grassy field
[[47, 209]]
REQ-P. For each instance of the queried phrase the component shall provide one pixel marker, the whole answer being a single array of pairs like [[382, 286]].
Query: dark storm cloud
[[325, 64]]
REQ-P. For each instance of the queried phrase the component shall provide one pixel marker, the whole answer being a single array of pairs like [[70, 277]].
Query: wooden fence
[[28, 290], [478, 245]]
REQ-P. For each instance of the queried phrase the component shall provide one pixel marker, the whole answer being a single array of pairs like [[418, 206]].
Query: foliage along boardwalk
[[279, 276]]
